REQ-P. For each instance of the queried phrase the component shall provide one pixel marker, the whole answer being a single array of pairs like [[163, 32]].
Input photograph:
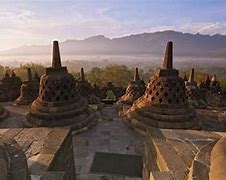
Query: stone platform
[[110, 137], [113, 137], [49, 151], [15, 115], [181, 154], [212, 119]]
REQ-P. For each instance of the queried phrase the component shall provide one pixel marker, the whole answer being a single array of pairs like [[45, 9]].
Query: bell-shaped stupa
[[86, 90], [215, 84], [58, 102], [207, 81], [214, 96], [193, 92], [134, 90], [28, 91], [12, 86], [164, 104]]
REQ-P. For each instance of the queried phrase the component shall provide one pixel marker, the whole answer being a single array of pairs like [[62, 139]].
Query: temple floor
[[16, 114], [112, 151], [110, 142], [110, 138]]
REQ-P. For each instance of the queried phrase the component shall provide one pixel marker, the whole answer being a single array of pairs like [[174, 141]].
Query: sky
[[36, 22]]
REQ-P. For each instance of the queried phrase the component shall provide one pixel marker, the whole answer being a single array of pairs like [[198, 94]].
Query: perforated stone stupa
[[58, 102], [85, 89], [29, 90], [193, 93], [10, 87], [214, 96], [215, 85], [134, 90], [164, 103]]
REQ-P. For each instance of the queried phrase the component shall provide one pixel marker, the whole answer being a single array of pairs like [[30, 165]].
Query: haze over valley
[[142, 50]]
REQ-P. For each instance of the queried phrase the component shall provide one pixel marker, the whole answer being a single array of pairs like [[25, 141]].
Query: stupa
[[36, 77], [164, 104], [10, 86], [207, 81], [58, 102], [29, 90], [134, 90], [117, 90], [185, 78], [204, 87], [3, 88], [214, 95], [215, 85], [193, 92], [85, 89], [6, 79]]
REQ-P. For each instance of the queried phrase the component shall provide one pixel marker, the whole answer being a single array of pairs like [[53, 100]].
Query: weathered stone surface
[[12, 160], [156, 175], [86, 90], [108, 137], [164, 103], [58, 102], [29, 90], [193, 93], [212, 119], [218, 160], [10, 87], [48, 151], [116, 90], [211, 92], [134, 90], [184, 154], [4, 113]]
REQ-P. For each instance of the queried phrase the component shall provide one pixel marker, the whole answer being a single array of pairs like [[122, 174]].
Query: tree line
[[119, 75]]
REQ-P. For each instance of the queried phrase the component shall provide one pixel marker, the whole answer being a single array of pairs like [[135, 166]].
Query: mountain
[[185, 44]]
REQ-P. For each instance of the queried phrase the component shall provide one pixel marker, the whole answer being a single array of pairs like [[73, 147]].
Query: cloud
[[194, 27], [41, 22]]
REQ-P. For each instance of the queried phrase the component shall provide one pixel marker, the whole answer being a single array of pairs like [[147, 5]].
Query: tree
[[22, 70], [94, 76], [223, 83], [119, 75]]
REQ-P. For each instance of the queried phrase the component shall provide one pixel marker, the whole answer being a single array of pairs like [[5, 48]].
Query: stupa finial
[[36, 76], [82, 75], [207, 77], [29, 75], [168, 59], [214, 78], [13, 73], [192, 75], [185, 77], [56, 61], [136, 75], [7, 73]]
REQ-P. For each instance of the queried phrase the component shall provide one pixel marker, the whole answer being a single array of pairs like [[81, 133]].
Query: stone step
[[105, 177]]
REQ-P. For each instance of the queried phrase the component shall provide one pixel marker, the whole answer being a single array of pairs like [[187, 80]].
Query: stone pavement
[[109, 136], [182, 154], [212, 119], [16, 114], [39, 151]]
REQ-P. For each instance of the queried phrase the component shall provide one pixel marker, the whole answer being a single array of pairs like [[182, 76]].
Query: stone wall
[[13, 163], [49, 151], [182, 154]]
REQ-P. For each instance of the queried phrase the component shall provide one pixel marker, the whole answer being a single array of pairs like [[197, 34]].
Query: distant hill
[[185, 44]]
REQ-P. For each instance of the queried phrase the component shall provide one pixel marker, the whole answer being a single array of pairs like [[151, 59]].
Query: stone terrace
[[109, 136], [45, 153]]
